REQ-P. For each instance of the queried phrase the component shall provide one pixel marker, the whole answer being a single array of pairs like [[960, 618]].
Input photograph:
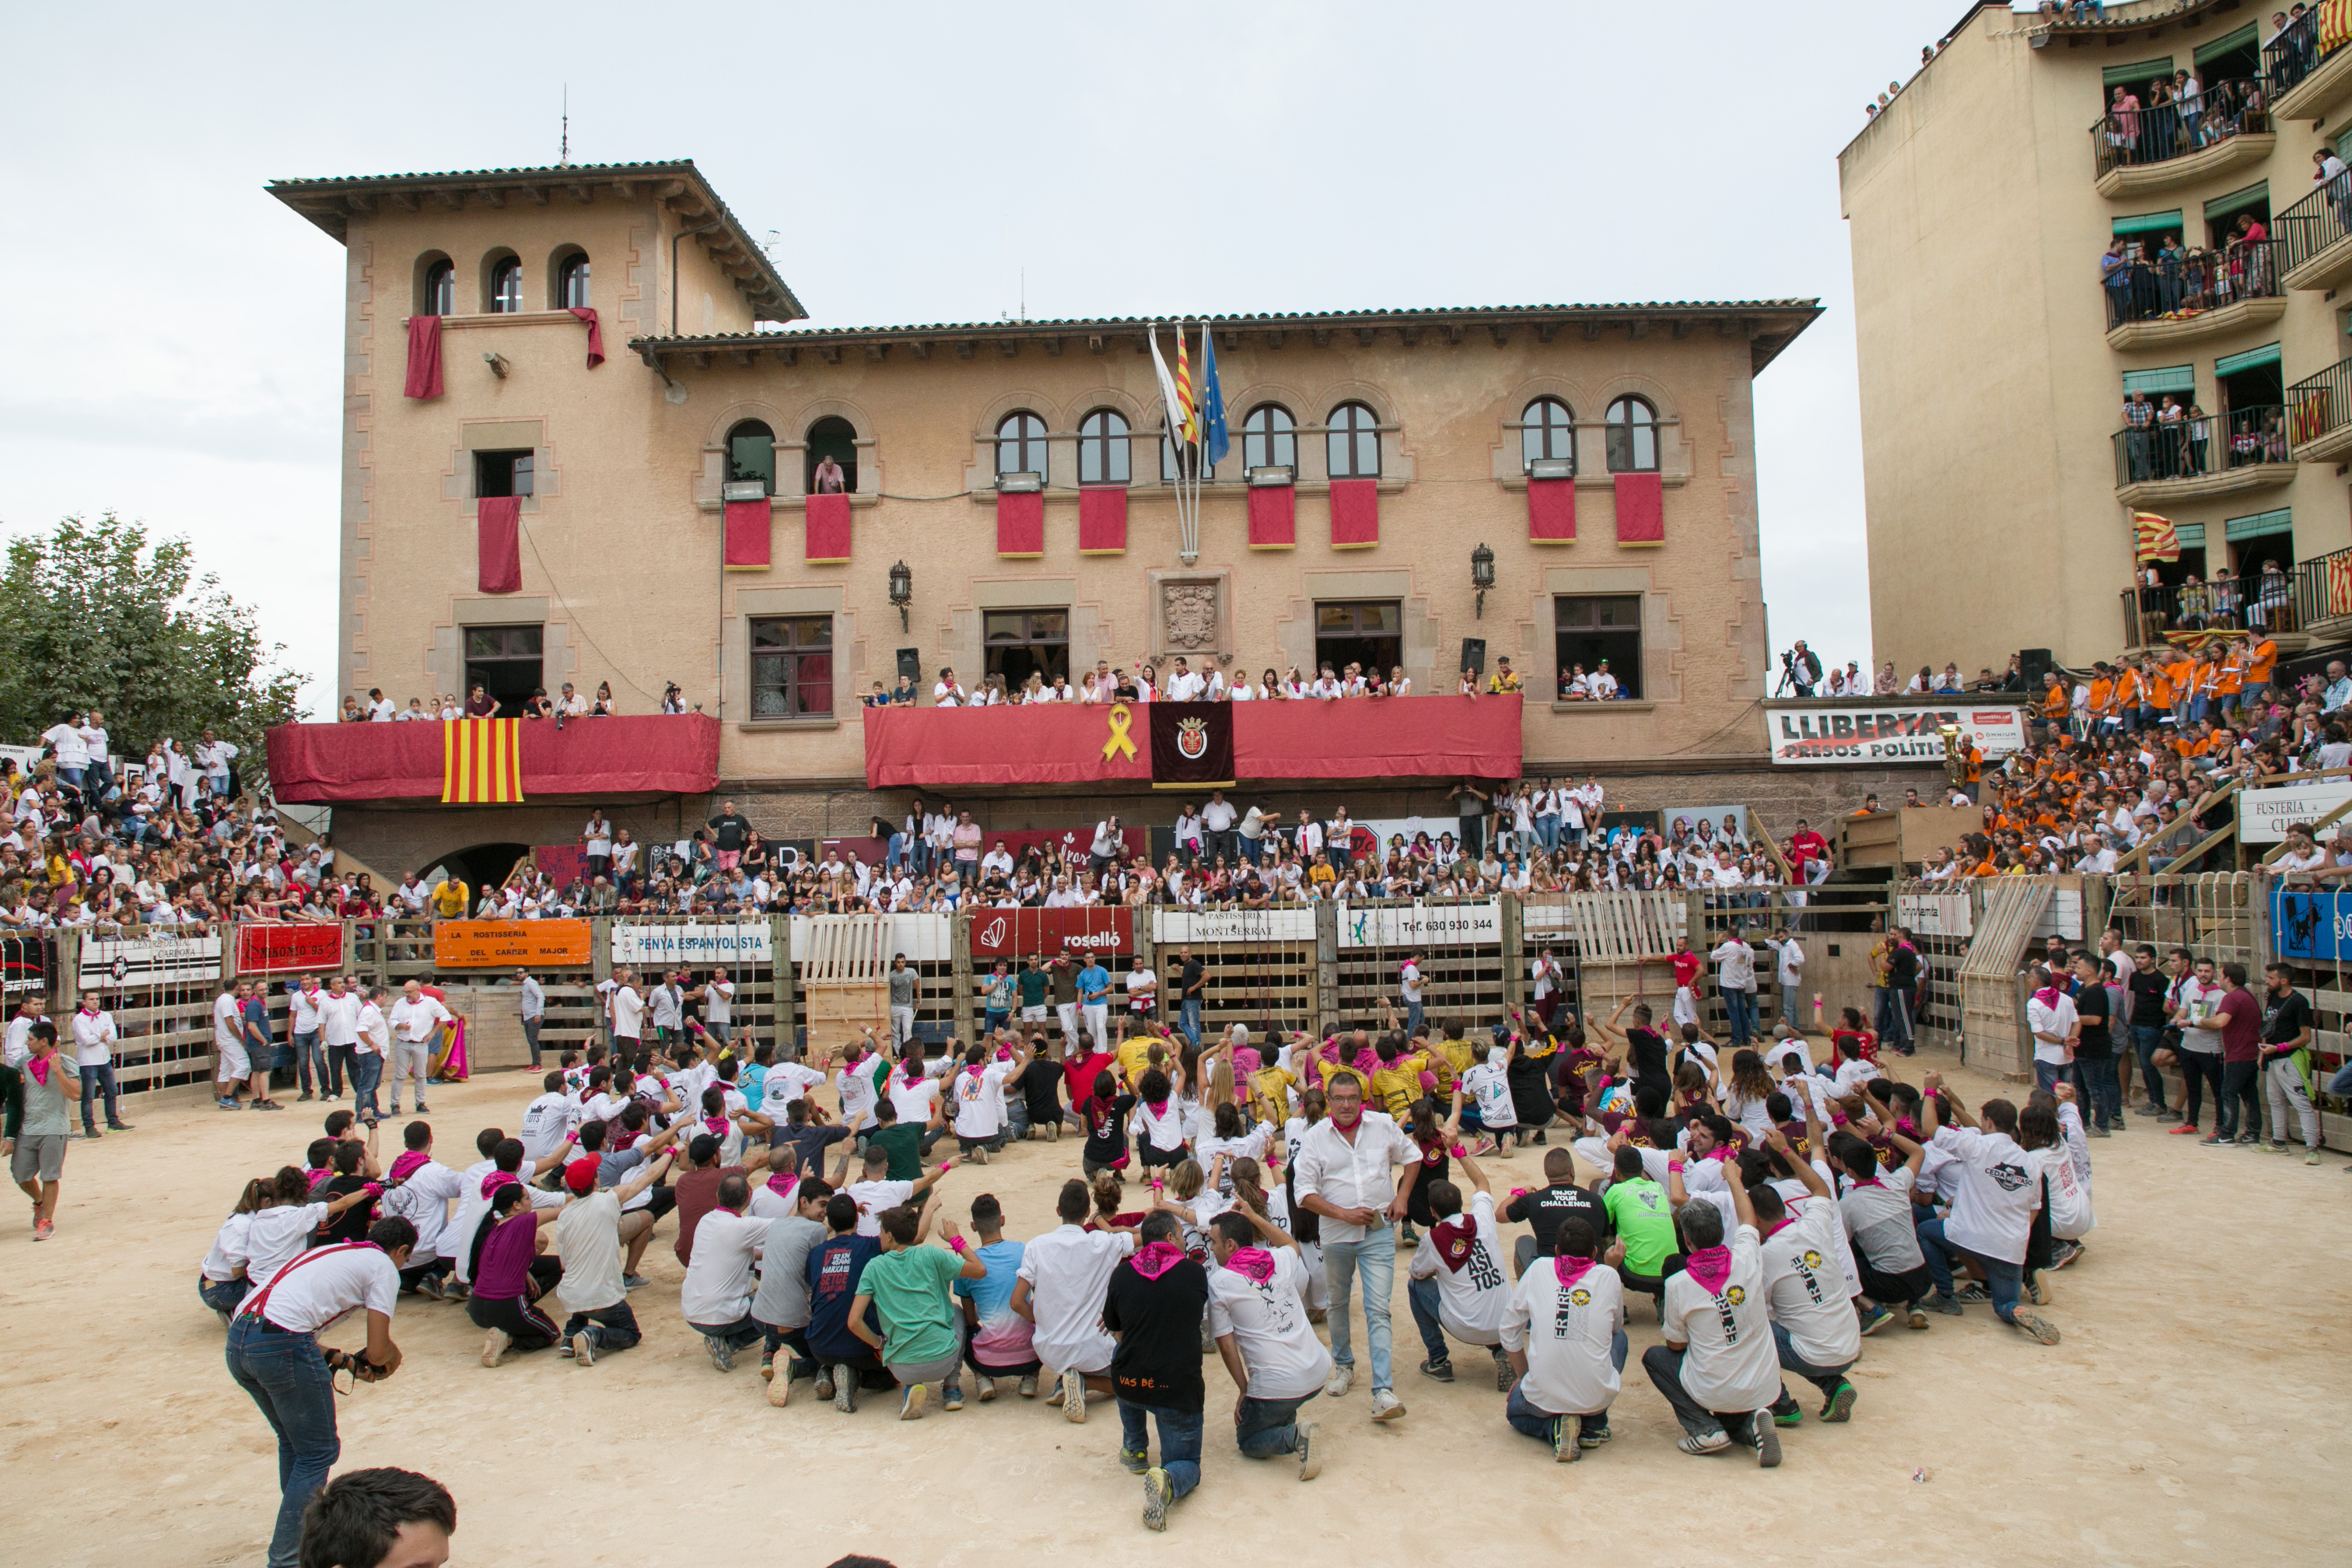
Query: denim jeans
[[95, 1081], [2339, 1082], [1741, 1006], [1180, 1440], [1792, 1003], [2004, 1279], [1526, 1417], [1188, 1018], [2239, 1111], [613, 1327], [1268, 1427], [1666, 1369], [1412, 1011], [1825, 1378], [221, 1295], [1548, 833], [2145, 1038], [367, 1069], [1375, 1258], [744, 1330], [342, 1063], [2106, 1091], [287, 1378], [309, 1058]]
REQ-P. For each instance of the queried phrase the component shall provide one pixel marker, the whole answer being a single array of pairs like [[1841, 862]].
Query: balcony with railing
[[2277, 604], [2308, 69], [2317, 234], [2206, 455], [2319, 414], [2179, 296], [617, 758], [2139, 150]]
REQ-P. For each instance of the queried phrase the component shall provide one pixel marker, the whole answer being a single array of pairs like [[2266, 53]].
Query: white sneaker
[[1386, 1405], [583, 1350], [1074, 1397], [494, 1345], [1342, 1378]]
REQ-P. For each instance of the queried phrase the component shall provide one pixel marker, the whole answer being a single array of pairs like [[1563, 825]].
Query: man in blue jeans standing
[[1342, 1175], [1154, 1304], [1993, 1205], [1190, 979]]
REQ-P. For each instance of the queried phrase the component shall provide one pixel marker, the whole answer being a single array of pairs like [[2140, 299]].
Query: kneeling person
[[1257, 1315], [1717, 1365], [1566, 1338]]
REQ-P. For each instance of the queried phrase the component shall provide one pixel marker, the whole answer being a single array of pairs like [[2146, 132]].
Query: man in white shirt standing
[[94, 1037], [72, 750], [339, 1033], [97, 777], [213, 756], [1735, 976], [534, 1010], [628, 1013], [1342, 1173], [303, 1023], [1788, 971], [1994, 1196], [1217, 819], [232, 1064], [416, 1018], [1717, 1365], [371, 1053]]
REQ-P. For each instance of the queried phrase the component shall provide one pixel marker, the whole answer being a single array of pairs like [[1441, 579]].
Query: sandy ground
[[2195, 1411]]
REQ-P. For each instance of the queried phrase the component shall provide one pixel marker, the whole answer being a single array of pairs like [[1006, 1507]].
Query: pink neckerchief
[[1710, 1266], [1780, 1226], [1157, 1259], [716, 1126], [1251, 1263], [2048, 996], [1569, 1270], [497, 1179], [408, 1163], [39, 1067], [782, 1184]]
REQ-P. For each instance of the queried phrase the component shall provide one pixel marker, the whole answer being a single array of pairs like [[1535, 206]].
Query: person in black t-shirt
[[1645, 1050], [2094, 1050], [1154, 1305], [729, 831], [352, 1225], [2286, 1029], [1188, 986], [1104, 1114], [1033, 1102], [2147, 985], [1558, 1199]]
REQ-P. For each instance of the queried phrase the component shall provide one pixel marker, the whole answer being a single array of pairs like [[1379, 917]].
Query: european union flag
[[1212, 401]]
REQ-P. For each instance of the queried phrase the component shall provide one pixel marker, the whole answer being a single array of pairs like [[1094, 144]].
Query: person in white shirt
[[947, 693], [1789, 973], [1716, 1366], [1183, 685], [234, 1063], [1565, 1334], [72, 750], [1457, 1285], [338, 1014], [1735, 976], [978, 1094], [416, 1018], [213, 756], [94, 1038], [1342, 1173], [303, 1023], [533, 1006], [716, 1297], [1994, 1196], [420, 1189], [1814, 1324], [274, 1356], [589, 1234], [1258, 1320], [628, 1013], [1059, 1287]]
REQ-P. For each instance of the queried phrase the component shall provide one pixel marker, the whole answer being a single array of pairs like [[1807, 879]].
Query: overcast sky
[[174, 352]]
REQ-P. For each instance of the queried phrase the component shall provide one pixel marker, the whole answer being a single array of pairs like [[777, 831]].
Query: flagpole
[[1188, 511]]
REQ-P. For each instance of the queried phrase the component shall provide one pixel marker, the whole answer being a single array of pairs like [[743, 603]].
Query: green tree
[[93, 616]]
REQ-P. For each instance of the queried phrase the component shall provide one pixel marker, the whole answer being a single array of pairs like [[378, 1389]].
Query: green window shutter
[[2149, 223], [2261, 524], [2172, 378], [2135, 77], [2249, 359], [2192, 536], [2219, 47], [2222, 207]]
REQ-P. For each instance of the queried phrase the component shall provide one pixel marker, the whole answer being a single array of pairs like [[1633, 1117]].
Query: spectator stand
[[1261, 968]]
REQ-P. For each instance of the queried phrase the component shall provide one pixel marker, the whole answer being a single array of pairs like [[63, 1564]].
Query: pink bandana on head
[[497, 1179], [1569, 1270], [1710, 1266], [1157, 1259], [1251, 1263]]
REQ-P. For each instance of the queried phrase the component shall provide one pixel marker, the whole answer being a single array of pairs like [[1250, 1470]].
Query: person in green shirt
[[904, 1141], [910, 1287], [1645, 1225], [1031, 982]]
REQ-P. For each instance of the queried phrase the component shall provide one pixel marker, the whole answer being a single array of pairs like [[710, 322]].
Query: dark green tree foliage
[[92, 616]]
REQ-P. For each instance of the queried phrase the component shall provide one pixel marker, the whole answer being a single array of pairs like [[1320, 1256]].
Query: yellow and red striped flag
[[2157, 539], [2335, 25], [1189, 406], [481, 761], [2340, 583]]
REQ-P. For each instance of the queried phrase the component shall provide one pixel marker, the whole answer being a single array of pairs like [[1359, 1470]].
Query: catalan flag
[[1189, 410], [481, 761], [2340, 583], [2155, 537], [2335, 25]]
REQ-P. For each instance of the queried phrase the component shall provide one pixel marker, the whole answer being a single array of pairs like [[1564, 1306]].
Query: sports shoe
[[1714, 1442], [303, 1096], [1386, 1405], [2311, 1157], [1767, 1443], [429, 1287], [952, 1399], [2249, 1140], [494, 1345], [2168, 1115], [1877, 1317], [1595, 1432], [632, 1281], [1028, 1386], [1504, 1375], [1343, 1375], [229, 1104], [1135, 1461], [1565, 1431], [824, 1382], [2185, 1130], [2038, 1289], [1407, 1236], [1950, 1305], [423, 1110], [1310, 1459], [1972, 1292], [1158, 1493], [722, 1354], [2277, 1148], [2040, 1328], [912, 1402], [44, 1228], [978, 1156], [1792, 1415], [1074, 1397], [2098, 1132], [2216, 1140], [1442, 1370], [1841, 1405], [2147, 1110], [583, 1350], [2065, 1252], [845, 1392], [987, 1390], [1918, 1317]]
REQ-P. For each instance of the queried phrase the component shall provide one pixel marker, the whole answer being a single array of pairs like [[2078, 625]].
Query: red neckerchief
[[1454, 1239]]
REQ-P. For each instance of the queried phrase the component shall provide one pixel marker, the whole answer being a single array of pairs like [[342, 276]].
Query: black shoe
[[1442, 1370]]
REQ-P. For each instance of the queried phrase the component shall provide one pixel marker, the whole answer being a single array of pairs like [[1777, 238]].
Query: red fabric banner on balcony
[[1551, 512], [645, 754], [595, 336], [1102, 520], [423, 356], [1641, 509], [498, 522], [1273, 516], [747, 547], [1355, 513], [1020, 524], [828, 530]]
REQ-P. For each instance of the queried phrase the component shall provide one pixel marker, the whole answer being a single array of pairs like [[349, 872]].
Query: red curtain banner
[[828, 530], [498, 522], [1551, 512], [1355, 513], [1641, 509], [595, 336], [1029, 933], [1192, 743], [1102, 520], [1273, 516], [747, 545], [263, 948], [423, 356], [653, 753], [1020, 523]]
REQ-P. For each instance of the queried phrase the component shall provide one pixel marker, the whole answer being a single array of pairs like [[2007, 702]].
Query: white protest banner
[[693, 946], [1421, 925], [2265, 814], [1811, 734], [1172, 927]]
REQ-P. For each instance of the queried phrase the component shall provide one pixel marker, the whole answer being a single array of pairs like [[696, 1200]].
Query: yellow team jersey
[[449, 900], [1134, 1059], [1396, 1084], [1270, 1089]]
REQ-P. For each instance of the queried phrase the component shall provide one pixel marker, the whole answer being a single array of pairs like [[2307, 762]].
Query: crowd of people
[[1228, 1198], [478, 703], [1179, 683]]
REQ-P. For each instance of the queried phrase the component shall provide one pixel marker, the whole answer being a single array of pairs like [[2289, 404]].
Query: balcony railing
[[2319, 405], [2293, 55], [2176, 285], [2201, 446], [2323, 590], [2159, 133], [2227, 604], [2316, 222]]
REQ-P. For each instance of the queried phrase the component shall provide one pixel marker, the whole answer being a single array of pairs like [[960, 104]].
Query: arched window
[[1633, 437], [832, 436], [438, 294], [1546, 430], [1269, 439], [1169, 463], [1354, 443], [506, 286], [1103, 448], [1021, 445], [751, 455], [571, 282]]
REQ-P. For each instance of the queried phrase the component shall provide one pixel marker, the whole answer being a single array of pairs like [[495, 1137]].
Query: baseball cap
[[580, 1176]]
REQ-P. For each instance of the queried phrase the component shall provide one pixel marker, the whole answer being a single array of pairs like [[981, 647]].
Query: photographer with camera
[[1801, 667]]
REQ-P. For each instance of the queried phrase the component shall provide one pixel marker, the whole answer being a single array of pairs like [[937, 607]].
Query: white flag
[[1173, 405]]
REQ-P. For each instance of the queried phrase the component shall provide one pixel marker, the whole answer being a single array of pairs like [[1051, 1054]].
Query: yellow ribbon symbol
[[1119, 719]]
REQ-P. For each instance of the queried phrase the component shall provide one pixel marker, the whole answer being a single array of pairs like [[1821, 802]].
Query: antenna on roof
[[564, 155]]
